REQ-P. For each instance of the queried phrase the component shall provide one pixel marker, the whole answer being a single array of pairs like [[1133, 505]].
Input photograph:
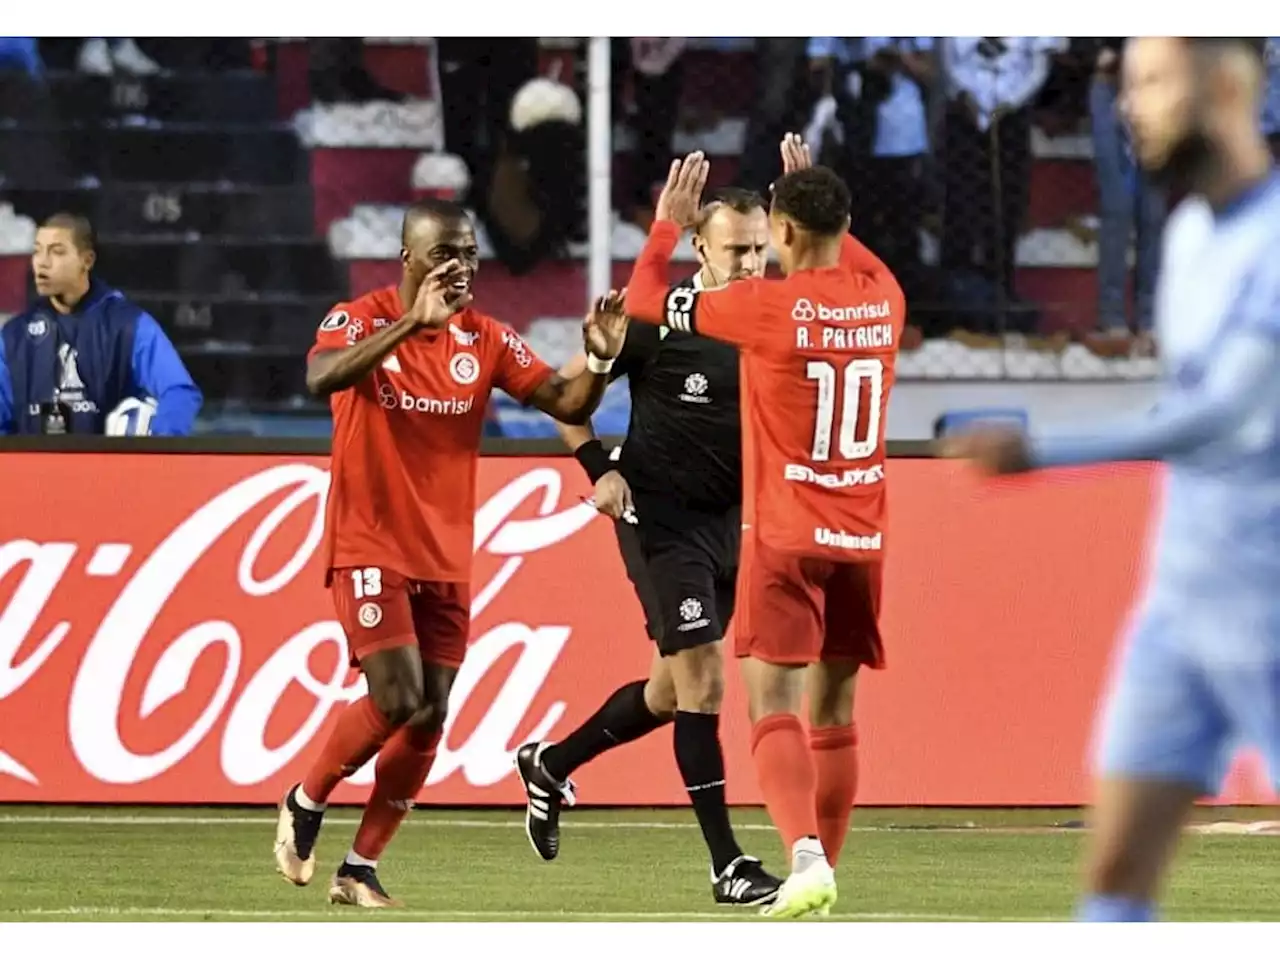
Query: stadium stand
[[237, 203]]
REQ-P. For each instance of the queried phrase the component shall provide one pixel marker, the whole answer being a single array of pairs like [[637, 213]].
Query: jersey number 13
[[842, 387]]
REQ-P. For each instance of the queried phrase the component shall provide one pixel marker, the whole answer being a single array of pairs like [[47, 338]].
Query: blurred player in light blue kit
[[1200, 674]]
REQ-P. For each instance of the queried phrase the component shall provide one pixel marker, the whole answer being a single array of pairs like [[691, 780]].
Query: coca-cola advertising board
[[165, 636]]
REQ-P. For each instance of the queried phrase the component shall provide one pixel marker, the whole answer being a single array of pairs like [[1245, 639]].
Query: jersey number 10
[[859, 376]]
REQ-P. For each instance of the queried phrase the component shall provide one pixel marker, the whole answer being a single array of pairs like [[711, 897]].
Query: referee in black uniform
[[674, 490]]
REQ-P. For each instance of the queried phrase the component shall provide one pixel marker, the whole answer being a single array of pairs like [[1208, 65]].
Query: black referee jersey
[[684, 440]]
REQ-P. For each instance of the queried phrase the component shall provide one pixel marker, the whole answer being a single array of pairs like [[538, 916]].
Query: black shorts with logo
[[683, 564]]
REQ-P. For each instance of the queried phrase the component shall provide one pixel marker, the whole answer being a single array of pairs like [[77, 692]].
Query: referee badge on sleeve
[[681, 303]]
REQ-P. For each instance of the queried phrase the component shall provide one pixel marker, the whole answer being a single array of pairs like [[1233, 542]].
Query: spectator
[[103, 56], [337, 74], [655, 67], [1271, 102], [991, 83], [21, 53], [886, 137], [780, 105], [533, 203], [1062, 106], [479, 76], [1128, 200], [35, 158], [82, 349]]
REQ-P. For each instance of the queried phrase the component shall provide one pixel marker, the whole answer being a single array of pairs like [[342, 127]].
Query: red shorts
[[379, 609], [800, 610]]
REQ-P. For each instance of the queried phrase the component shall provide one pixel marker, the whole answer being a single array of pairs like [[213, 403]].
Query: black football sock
[[701, 763], [622, 718]]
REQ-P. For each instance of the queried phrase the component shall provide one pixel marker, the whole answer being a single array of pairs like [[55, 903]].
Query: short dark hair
[[815, 198], [1256, 46], [737, 199], [430, 208], [82, 233]]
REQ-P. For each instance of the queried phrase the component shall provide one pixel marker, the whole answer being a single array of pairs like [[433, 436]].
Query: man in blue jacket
[[82, 348]]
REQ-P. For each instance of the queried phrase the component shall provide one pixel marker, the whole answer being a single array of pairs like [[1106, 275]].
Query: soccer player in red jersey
[[818, 352], [408, 370]]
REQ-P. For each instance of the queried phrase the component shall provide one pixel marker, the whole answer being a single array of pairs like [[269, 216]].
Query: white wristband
[[598, 365]]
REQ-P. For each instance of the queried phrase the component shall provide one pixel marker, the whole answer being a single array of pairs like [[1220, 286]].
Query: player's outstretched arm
[[648, 288], [1242, 384], [581, 438], [733, 314], [677, 210], [572, 400], [574, 435], [341, 367]]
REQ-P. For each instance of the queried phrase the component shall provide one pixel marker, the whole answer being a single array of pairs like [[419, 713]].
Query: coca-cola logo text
[[292, 495], [166, 636]]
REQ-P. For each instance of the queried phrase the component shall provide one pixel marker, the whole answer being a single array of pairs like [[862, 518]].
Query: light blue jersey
[[1200, 674]]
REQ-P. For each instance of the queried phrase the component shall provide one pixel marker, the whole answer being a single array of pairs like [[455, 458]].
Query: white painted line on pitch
[[729, 913], [1261, 829], [119, 820]]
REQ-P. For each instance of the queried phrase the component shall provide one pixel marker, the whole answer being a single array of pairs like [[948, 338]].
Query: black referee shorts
[[683, 564]]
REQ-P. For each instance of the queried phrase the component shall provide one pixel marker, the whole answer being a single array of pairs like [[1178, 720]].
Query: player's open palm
[[443, 292], [613, 495], [681, 196], [795, 154], [605, 328]]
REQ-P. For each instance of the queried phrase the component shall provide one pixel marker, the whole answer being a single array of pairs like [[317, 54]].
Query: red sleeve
[[855, 256], [859, 259], [647, 288], [517, 369], [735, 313], [344, 326]]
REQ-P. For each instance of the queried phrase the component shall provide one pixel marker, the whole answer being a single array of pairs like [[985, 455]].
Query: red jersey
[[406, 438], [818, 352]]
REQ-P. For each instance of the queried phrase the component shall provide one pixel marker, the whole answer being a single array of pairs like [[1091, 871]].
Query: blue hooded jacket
[[107, 350]]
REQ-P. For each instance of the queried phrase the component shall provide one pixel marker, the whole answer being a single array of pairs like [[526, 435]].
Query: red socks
[[404, 760], [787, 779], [835, 759], [808, 786], [359, 735], [401, 771]]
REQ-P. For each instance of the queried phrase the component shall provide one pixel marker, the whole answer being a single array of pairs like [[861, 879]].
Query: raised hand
[[795, 154], [681, 196], [605, 328], [442, 293]]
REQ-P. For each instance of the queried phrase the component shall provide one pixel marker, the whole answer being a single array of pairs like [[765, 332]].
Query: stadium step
[[406, 67], [174, 153], [286, 322], [199, 208], [236, 96], [344, 177], [257, 378], [217, 265]]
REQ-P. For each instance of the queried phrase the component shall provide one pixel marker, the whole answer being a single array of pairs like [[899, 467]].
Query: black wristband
[[594, 459]]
